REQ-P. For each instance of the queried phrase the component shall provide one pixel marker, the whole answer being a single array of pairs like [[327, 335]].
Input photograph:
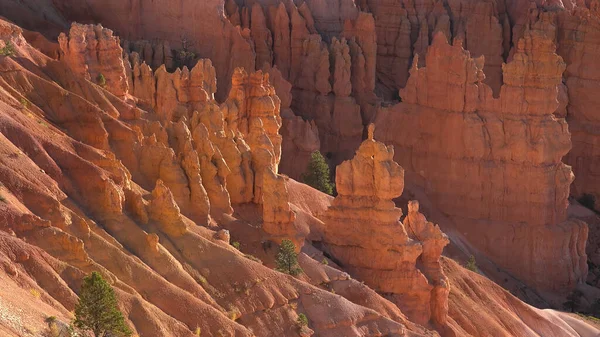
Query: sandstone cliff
[[486, 159]]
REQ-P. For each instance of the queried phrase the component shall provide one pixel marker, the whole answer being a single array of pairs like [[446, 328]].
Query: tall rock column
[[364, 235], [252, 111], [434, 241]]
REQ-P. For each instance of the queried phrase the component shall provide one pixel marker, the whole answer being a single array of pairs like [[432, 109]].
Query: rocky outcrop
[[405, 28], [263, 40], [278, 217], [363, 233], [325, 70], [494, 164], [153, 53], [300, 140], [93, 53], [253, 110], [433, 241], [202, 24], [236, 146]]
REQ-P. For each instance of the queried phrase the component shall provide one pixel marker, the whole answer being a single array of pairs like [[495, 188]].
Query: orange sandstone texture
[[363, 232], [494, 164], [332, 75], [91, 182]]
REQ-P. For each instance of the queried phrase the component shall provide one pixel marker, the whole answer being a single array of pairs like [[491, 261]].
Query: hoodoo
[[158, 150], [363, 233]]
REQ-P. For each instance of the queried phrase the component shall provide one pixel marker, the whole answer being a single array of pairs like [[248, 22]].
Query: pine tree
[[573, 300], [97, 309], [101, 80], [317, 174], [472, 264], [287, 259]]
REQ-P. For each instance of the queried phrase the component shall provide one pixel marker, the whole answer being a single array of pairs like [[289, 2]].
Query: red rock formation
[[63, 141], [495, 164], [65, 191], [261, 35], [404, 30], [201, 23], [153, 54], [363, 232], [329, 17], [307, 60], [252, 99], [434, 241], [93, 53]]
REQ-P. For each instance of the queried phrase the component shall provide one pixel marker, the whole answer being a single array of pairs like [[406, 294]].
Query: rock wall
[[300, 138], [577, 39], [406, 28], [332, 73], [203, 24], [494, 164], [95, 54], [363, 233]]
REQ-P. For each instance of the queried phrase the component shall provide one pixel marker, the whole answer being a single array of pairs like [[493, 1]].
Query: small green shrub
[[101, 80], [72, 332], [35, 293], [24, 102], [53, 330], [184, 58], [2, 198], [8, 49], [50, 319], [324, 261], [472, 264], [573, 300], [302, 320], [198, 331], [302, 325], [236, 245], [287, 258]]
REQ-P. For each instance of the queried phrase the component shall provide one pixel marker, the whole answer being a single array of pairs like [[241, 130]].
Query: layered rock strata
[[405, 29], [363, 233], [332, 78], [494, 164], [77, 168], [95, 54], [205, 149]]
